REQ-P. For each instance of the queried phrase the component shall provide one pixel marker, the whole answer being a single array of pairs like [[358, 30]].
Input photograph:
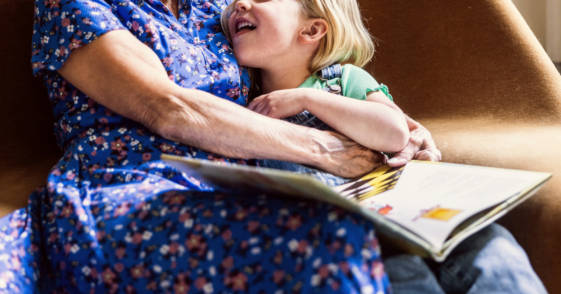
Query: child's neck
[[290, 77]]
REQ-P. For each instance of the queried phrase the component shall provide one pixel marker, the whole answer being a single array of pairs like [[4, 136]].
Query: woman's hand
[[346, 158], [279, 104], [421, 146], [349, 159]]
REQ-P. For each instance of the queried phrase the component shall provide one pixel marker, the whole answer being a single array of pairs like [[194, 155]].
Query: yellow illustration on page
[[441, 214], [380, 180]]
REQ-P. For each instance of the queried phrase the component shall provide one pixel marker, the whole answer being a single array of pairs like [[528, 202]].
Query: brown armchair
[[471, 71]]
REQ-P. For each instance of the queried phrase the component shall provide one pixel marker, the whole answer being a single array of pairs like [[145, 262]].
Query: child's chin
[[246, 62]]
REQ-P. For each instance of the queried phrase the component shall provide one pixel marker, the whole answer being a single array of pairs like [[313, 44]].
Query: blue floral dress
[[113, 218]]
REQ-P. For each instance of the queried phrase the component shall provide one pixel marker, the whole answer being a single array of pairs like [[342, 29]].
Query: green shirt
[[355, 81]]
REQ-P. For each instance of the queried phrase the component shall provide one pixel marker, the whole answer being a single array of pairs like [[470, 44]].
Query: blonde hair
[[347, 40]]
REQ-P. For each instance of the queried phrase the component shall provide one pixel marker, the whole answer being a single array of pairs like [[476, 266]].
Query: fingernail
[[393, 160]]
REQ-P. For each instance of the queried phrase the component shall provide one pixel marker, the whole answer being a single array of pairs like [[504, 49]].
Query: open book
[[424, 208]]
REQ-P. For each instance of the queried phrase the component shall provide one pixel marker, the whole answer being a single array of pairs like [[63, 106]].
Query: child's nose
[[242, 6]]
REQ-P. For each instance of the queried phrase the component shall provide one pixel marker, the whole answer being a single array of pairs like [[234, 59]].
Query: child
[[286, 43]]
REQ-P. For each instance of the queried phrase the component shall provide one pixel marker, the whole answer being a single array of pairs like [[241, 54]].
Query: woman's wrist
[[318, 146], [327, 147]]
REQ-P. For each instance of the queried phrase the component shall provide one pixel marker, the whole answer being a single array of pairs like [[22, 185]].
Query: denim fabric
[[309, 120], [306, 119], [490, 261], [326, 178]]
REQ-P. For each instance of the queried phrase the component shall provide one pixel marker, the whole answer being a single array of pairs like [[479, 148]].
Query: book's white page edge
[[385, 224], [174, 158], [509, 205]]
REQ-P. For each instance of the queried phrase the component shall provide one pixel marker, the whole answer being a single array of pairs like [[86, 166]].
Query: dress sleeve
[[61, 26], [358, 83]]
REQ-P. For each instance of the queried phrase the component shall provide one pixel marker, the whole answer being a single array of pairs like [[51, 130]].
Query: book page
[[432, 199]]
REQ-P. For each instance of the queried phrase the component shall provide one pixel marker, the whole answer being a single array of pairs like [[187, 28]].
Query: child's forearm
[[372, 124]]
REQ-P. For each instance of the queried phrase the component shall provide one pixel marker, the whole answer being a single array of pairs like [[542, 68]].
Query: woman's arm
[[376, 123], [121, 73]]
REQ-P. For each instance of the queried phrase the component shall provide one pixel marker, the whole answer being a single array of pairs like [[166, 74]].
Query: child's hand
[[280, 104]]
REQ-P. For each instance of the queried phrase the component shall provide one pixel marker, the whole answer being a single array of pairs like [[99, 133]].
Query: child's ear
[[314, 30]]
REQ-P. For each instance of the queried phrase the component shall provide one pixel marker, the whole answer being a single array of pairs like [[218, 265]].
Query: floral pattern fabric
[[113, 218]]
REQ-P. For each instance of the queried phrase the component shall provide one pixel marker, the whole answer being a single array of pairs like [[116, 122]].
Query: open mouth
[[244, 26]]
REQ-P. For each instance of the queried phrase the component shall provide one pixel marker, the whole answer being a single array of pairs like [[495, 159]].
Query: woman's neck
[[282, 79]]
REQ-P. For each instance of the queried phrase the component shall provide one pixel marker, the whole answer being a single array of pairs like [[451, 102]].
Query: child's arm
[[376, 123]]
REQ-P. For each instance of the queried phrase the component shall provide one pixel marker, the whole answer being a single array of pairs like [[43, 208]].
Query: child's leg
[[326, 178], [490, 261]]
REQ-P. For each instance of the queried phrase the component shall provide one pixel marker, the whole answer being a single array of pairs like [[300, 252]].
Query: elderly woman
[[132, 79]]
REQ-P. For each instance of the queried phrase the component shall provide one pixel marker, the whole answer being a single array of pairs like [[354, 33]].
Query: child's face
[[264, 31]]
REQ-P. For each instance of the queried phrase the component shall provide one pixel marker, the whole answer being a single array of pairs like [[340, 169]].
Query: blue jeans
[[490, 261], [326, 178]]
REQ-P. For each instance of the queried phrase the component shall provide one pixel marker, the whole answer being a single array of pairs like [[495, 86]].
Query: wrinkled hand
[[421, 146], [280, 104], [348, 159]]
